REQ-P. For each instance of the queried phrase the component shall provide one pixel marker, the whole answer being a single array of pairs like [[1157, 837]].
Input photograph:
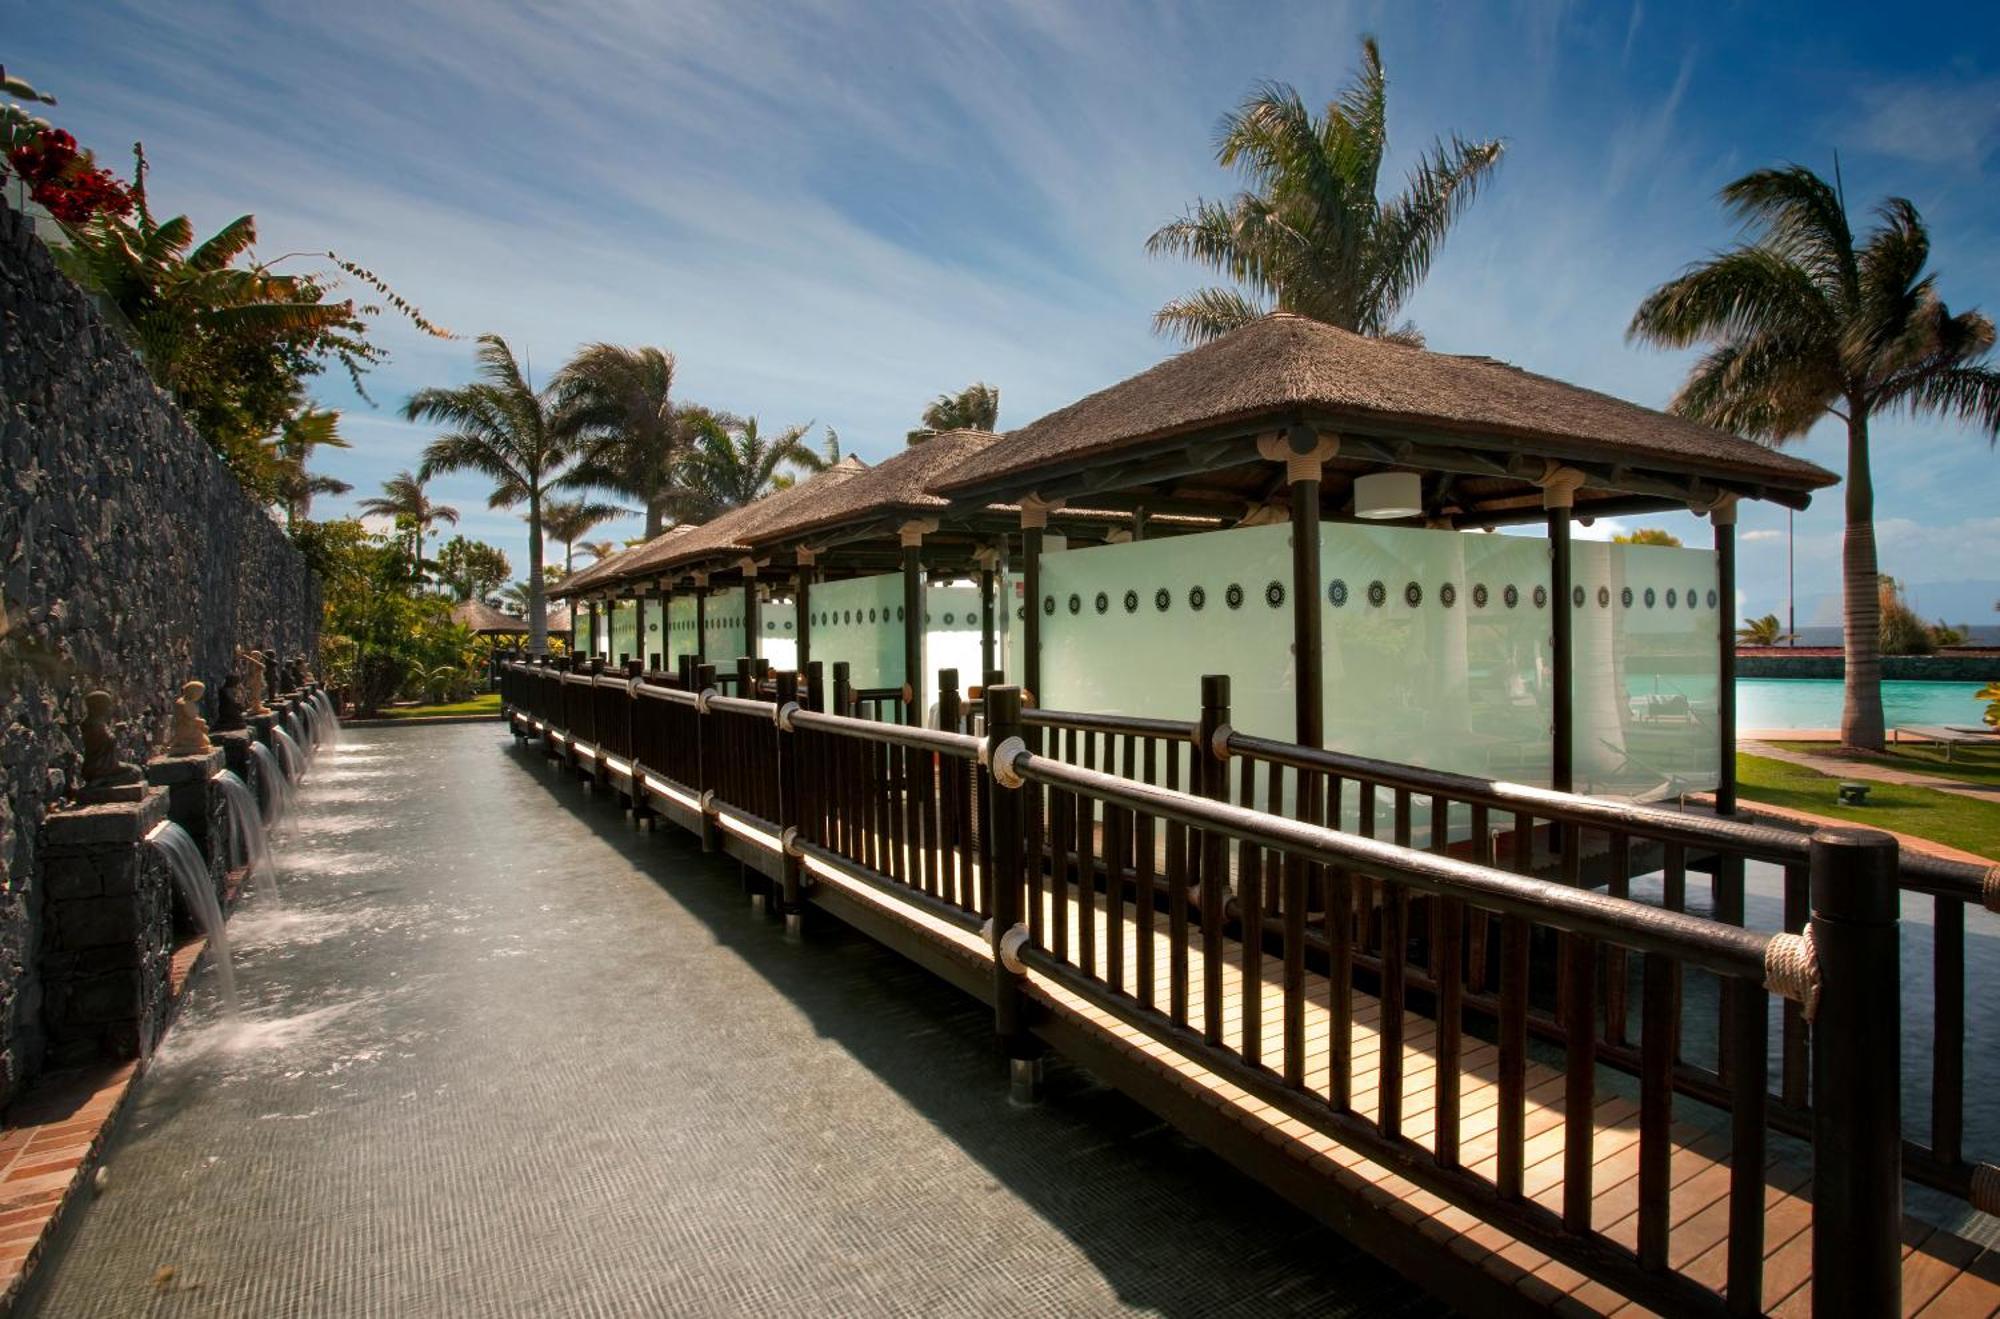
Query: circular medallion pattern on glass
[[1131, 602], [1512, 595], [1378, 594], [1197, 597], [1075, 603], [1163, 599], [1233, 596], [1625, 597], [1336, 593], [1274, 593], [1102, 602], [1479, 595], [1673, 597], [1413, 595], [1651, 599], [1541, 597]]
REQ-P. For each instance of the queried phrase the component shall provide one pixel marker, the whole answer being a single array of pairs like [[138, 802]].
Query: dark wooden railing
[[1434, 899]]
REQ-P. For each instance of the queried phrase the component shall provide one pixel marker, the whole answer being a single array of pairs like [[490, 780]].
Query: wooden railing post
[[816, 687], [1208, 776], [707, 749], [1857, 1075], [1007, 930], [636, 803], [791, 812], [843, 690], [948, 700]]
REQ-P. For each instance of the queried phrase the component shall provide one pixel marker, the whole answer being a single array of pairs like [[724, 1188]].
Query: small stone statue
[[253, 682], [101, 766], [295, 673], [274, 675], [229, 706], [190, 736]]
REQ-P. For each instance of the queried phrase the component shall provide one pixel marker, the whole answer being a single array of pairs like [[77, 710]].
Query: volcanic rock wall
[[130, 559]]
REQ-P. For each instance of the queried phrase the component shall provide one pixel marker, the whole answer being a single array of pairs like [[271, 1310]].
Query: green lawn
[[1924, 812], [489, 703], [1969, 764]]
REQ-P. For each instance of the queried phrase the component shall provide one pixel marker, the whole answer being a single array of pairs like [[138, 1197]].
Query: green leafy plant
[[1765, 631], [1308, 235], [976, 407], [1990, 694], [1806, 321]]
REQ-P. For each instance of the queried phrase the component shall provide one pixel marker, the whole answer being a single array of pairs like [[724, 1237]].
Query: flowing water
[[190, 871], [328, 716], [289, 755], [277, 788], [247, 844]]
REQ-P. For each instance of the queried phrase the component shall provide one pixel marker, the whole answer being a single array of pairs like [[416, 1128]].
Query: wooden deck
[[1436, 1241]]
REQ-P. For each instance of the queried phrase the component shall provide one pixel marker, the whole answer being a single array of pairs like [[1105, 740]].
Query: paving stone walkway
[[500, 1056]]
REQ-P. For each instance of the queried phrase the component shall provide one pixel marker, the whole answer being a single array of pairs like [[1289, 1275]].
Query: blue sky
[[833, 211]]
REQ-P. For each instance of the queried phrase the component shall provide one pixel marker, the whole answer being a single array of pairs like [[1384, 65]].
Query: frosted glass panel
[[951, 639], [1647, 620], [780, 641], [859, 620], [1437, 646], [680, 630], [580, 626], [1131, 629], [724, 635], [624, 631]]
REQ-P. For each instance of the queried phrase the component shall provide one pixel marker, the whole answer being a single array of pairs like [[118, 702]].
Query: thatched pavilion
[[1306, 461]]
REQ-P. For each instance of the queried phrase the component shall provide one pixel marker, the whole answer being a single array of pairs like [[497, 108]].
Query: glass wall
[[1436, 647], [951, 639], [724, 635], [859, 620], [624, 631], [680, 630], [780, 641]]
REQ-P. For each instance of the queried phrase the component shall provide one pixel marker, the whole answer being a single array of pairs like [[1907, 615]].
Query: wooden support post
[[815, 687], [1559, 486], [804, 608], [912, 535], [746, 678], [701, 622], [753, 623], [1857, 1075], [1034, 519], [989, 566], [1722, 516], [1009, 824]]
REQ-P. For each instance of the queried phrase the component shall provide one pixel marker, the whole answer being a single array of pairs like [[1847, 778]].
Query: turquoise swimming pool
[[1815, 703]]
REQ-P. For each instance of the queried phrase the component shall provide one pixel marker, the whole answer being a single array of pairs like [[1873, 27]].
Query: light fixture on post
[[1386, 496]]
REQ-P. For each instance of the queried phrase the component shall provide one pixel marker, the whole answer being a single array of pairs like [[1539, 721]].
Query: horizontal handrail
[[1761, 842], [1129, 725], [960, 745], [742, 705], [1727, 950], [672, 695]]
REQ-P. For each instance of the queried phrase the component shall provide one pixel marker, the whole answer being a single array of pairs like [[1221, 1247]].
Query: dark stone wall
[[1974, 666], [130, 559]]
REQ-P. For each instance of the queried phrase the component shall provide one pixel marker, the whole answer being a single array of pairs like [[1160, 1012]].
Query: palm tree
[[307, 429], [403, 499], [1800, 324], [976, 407], [1308, 235], [619, 403], [599, 549], [502, 427], [570, 520], [732, 465], [1765, 631]]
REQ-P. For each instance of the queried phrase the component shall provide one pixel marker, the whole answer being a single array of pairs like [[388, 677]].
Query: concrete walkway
[[1874, 773], [501, 1057]]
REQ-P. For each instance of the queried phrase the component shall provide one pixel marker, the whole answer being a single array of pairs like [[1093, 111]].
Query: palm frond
[[1206, 314]]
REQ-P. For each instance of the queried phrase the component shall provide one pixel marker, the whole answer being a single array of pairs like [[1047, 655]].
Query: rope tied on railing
[[1989, 889], [1791, 970], [1984, 1193]]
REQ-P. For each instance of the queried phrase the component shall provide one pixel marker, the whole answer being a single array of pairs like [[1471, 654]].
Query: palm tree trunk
[[655, 518], [1861, 631], [538, 603]]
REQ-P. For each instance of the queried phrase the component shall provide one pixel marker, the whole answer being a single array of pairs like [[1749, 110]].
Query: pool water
[[1815, 703]]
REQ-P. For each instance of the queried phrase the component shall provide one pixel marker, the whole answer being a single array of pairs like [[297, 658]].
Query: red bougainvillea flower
[[64, 180]]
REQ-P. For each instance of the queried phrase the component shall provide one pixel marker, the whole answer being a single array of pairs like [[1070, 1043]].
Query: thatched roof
[[899, 485], [740, 529], [485, 619], [1286, 365]]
